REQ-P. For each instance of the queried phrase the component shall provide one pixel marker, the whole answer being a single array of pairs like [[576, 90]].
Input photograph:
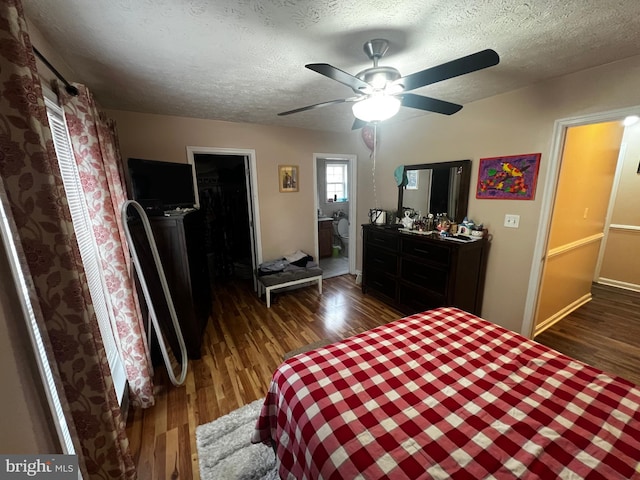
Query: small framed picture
[[288, 178]]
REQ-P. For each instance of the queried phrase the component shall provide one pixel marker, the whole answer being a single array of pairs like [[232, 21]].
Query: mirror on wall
[[436, 188]]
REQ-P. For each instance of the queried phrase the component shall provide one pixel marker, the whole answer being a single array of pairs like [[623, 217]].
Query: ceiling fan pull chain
[[373, 169]]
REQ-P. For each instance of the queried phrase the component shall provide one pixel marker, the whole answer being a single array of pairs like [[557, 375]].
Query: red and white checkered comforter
[[445, 394]]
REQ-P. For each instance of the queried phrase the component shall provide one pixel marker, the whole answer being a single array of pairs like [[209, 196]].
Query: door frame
[[351, 160], [252, 195], [548, 201]]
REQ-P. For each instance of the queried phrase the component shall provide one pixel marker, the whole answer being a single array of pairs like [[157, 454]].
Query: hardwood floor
[[244, 343], [604, 333]]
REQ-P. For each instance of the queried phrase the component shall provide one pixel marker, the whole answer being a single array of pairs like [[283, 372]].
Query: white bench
[[288, 279]]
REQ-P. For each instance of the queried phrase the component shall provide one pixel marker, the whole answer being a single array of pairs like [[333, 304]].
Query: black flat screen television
[[164, 184]]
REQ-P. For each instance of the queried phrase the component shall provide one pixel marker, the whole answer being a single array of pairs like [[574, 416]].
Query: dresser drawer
[[415, 300], [380, 282], [380, 238], [432, 278], [426, 250], [380, 259]]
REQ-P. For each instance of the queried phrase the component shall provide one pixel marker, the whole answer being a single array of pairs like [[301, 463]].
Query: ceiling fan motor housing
[[378, 77]]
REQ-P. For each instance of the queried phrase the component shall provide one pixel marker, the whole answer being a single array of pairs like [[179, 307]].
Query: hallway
[[604, 333]]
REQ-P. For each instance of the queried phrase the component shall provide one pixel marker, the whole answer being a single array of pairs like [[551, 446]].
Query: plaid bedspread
[[445, 394]]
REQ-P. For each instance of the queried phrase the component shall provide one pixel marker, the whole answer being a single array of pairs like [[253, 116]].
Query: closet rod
[[71, 90]]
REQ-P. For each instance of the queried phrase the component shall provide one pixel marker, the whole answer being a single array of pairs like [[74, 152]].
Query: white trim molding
[[617, 283], [253, 178], [629, 228], [548, 198], [573, 245], [353, 193], [564, 312]]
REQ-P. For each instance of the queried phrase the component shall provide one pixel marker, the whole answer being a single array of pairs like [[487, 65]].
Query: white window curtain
[[86, 243], [93, 141]]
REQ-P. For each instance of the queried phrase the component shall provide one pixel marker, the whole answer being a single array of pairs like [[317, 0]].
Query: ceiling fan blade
[[317, 105], [430, 104], [357, 124], [338, 75], [454, 68]]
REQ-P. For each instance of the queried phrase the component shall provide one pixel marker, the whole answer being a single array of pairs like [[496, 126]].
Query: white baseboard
[[556, 317], [616, 283]]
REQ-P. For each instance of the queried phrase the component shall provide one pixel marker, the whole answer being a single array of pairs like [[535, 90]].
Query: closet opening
[[225, 196]]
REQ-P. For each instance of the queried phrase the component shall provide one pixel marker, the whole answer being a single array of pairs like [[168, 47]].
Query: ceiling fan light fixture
[[376, 108]]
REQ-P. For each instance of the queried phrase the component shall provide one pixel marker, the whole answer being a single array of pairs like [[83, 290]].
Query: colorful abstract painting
[[508, 178]]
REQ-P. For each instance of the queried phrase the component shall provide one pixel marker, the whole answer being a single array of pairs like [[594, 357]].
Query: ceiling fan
[[380, 91]]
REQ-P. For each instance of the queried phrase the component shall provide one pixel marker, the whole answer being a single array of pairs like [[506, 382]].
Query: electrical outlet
[[512, 221]]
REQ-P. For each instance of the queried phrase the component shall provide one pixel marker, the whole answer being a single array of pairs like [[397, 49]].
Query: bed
[[446, 394]]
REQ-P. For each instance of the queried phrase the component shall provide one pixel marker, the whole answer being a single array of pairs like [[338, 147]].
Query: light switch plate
[[511, 221]]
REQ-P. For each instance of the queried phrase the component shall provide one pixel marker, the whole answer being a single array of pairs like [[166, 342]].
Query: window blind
[[86, 242], [36, 339]]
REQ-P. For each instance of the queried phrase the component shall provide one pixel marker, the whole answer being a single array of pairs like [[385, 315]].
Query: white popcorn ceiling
[[243, 61]]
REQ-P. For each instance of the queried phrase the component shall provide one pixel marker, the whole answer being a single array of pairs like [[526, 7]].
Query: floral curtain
[[95, 148], [41, 227]]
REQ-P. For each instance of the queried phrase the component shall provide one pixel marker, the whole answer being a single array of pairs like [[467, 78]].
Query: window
[[42, 359], [412, 179], [86, 242], [337, 182]]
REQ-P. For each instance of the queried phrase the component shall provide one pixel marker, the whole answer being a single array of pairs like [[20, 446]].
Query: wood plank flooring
[[245, 342], [604, 333]]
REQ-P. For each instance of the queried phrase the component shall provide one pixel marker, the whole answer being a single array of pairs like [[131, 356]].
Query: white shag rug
[[225, 451]]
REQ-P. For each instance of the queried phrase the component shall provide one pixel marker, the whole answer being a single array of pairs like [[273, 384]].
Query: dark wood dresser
[[179, 238], [414, 272]]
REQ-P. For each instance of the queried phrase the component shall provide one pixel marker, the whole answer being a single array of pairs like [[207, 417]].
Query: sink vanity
[[325, 236], [416, 272]]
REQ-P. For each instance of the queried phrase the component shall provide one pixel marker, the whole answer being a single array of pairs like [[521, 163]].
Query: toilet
[[342, 231]]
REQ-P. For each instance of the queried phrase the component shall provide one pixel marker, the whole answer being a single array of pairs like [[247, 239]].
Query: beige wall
[[566, 283], [588, 167], [287, 220], [589, 160], [517, 122], [26, 419], [621, 262]]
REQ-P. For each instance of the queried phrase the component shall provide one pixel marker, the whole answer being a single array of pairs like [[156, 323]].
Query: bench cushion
[[289, 276]]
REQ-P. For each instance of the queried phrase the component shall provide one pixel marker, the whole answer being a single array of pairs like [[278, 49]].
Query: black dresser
[[415, 272], [179, 238]]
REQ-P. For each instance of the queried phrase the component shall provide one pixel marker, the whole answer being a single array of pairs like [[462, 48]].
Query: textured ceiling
[[243, 61]]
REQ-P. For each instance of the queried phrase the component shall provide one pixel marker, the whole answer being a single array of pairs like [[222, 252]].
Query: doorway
[[335, 187], [576, 217], [225, 192]]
